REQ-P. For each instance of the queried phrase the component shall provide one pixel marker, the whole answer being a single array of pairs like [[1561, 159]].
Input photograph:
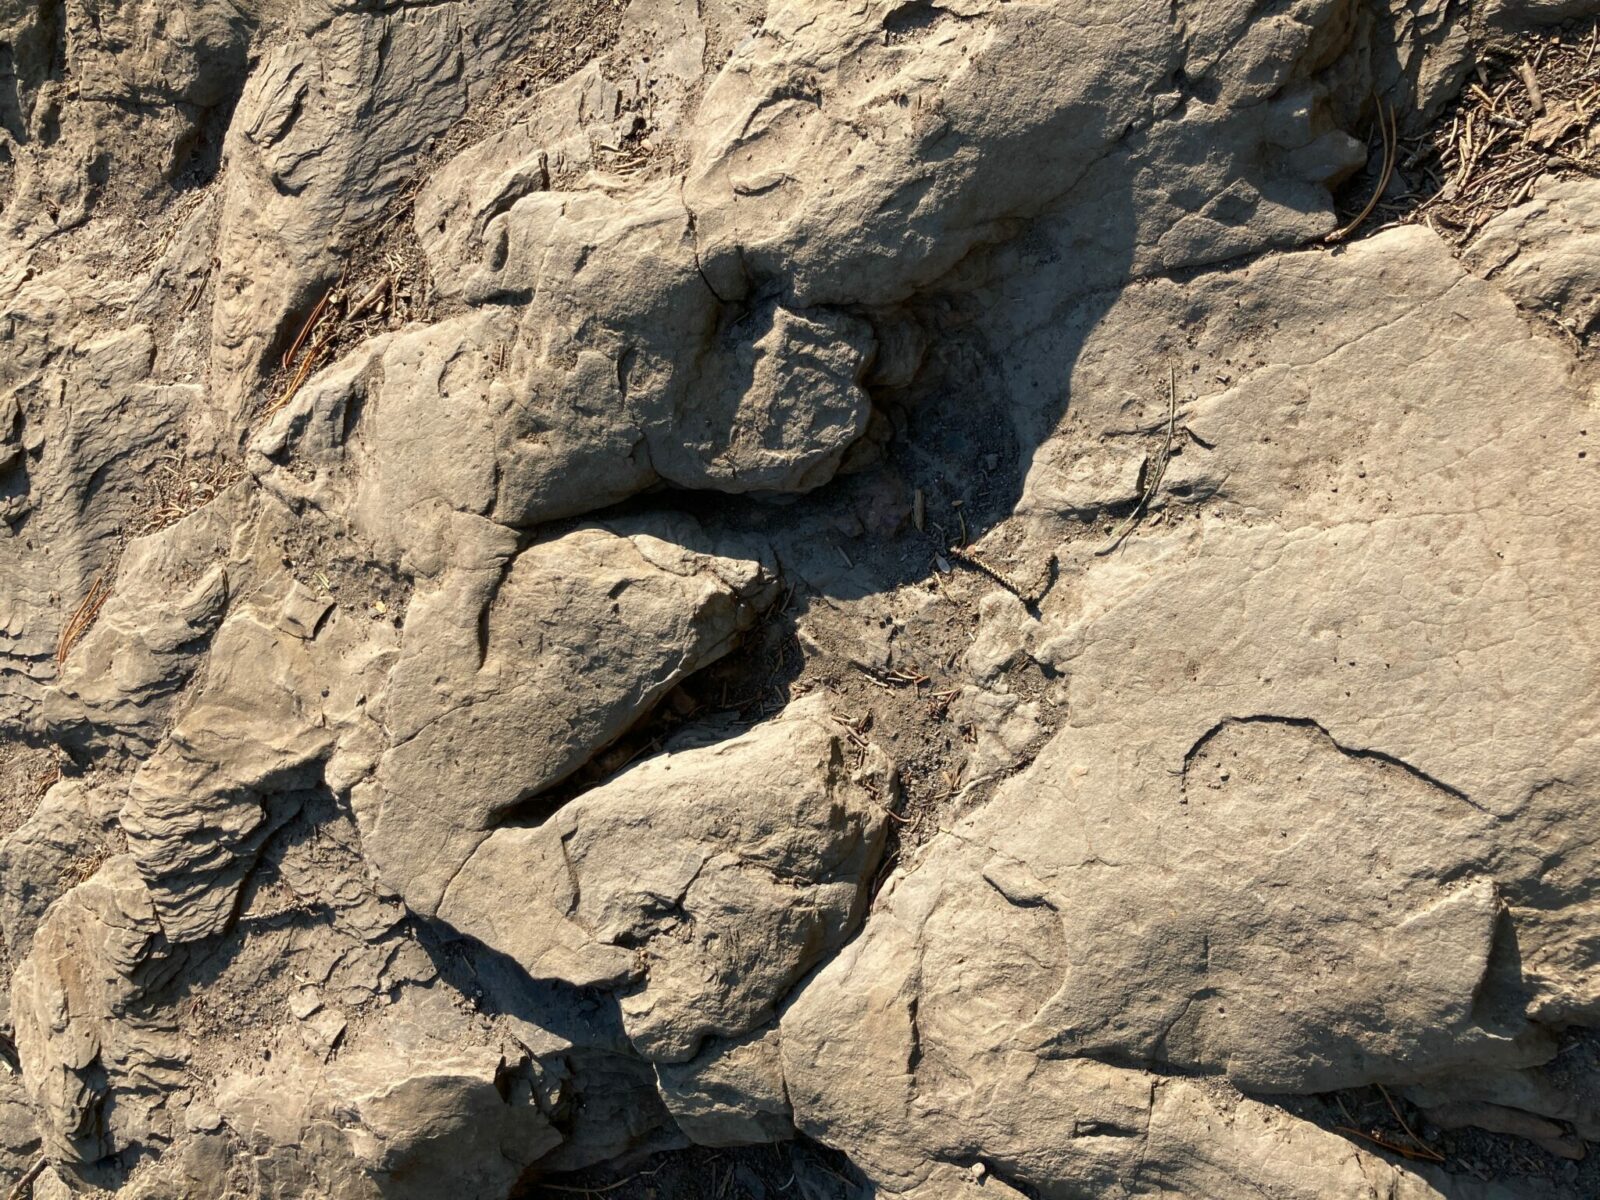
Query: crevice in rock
[[802, 1167], [1349, 751]]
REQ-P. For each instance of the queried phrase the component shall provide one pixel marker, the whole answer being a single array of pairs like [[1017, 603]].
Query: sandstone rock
[[513, 676], [408, 1112], [1066, 1125], [147, 84], [71, 831], [477, 740], [233, 767], [1530, 1092], [19, 1142], [1006, 732], [118, 689], [711, 877], [82, 421], [958, 1184], [1045, 920], [75, 1001], [327, 128], [731, 1093], [774, 409], [1543, 253], [784, 181]]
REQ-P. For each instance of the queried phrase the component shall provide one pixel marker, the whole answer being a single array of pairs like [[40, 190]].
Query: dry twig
[[1410, 1133], [600, 1191], [1531, 114], [311, 323], [1424, 1154], [313, 357], [46, 779], [24, 1186], [1389, 130], [1156, 473], [1530, 83], [1028, 595]]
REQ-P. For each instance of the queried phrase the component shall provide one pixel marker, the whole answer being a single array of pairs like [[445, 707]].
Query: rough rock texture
[[507, 683], [1544, 254], [714, 876], [592, 579]]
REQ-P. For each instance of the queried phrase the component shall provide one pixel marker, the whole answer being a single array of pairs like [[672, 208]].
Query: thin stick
[[369, 300], [1530, 83], [82, 617], [47, 778], [596, 1191], [24, 1186], [871, 678], [311, 323], [300, 376], [1390, 130], [1395, 1109], [1394, 1147], [1156, 475]]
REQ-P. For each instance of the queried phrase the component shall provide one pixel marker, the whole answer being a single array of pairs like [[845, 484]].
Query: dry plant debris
[[333, 322], [1159, 469], [46, 780], [179, 486], [1528, 111], [385, 282], [1388, 130], [82, 618], [24, 1186]]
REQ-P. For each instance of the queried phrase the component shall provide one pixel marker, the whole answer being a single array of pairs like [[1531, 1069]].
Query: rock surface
[[710, 878], [599, 579]]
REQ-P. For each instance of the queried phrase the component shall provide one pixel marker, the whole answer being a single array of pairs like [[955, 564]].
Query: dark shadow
[[797, 1170], [598, 1093], [1457, 1159]]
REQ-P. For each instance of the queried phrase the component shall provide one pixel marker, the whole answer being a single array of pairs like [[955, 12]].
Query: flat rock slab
[[1312, 734]]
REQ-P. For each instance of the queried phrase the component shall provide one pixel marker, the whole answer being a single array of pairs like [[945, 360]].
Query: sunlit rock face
[[921, 579]]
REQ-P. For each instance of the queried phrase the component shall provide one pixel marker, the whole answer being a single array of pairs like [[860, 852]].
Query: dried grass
[[46, 780], [370, 296], [84, 866], [82, 618], [298, 369]]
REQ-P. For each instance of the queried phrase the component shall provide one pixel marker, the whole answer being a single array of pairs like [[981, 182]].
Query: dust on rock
[[26, 773], [385, 282]]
